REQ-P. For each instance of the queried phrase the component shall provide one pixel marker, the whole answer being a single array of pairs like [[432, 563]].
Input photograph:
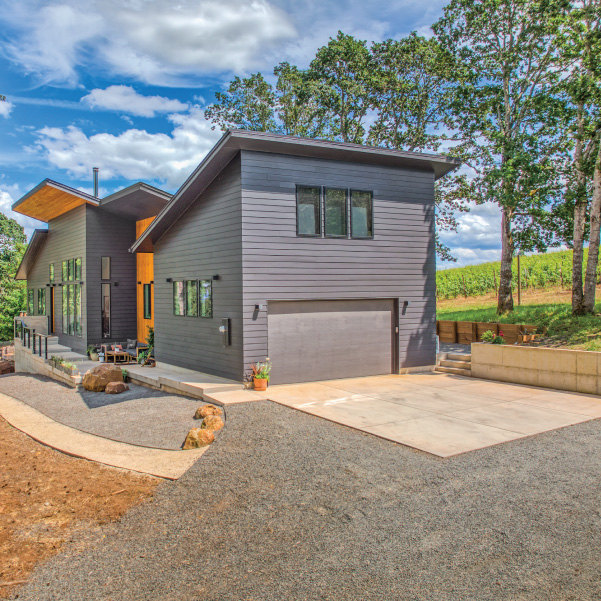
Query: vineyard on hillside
[[538, 271]]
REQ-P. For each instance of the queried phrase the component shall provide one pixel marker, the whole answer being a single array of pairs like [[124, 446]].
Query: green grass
[[563, 329], [537, 272]]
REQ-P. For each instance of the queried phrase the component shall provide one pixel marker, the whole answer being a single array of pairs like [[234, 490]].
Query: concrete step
[[70, 356], [459, 357], [55, 349], [52, 340], [456, 364], [454, 370]]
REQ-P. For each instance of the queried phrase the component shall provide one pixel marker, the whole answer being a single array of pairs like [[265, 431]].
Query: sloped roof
[[138, 201], [38, 239], [50, 199], [235, 140]]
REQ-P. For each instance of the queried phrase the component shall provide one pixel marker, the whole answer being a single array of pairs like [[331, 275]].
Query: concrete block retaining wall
[[29, 363], [562, 369]]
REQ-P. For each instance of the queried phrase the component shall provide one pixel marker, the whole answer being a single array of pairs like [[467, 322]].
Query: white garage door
[[323, 340]]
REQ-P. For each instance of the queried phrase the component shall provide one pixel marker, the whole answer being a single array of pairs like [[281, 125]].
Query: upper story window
[[51, 272], [335, 204], [30, 302], [335, 211], [308, 211], [71, 270], [41, 301], [105, 268], [362, 203]]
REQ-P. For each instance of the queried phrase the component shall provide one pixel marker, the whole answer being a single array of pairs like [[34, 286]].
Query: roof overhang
[[50, 199], [31, 252], [139, 201], [233, 141]]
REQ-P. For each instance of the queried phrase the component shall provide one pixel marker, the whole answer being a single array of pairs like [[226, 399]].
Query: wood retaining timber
[[466, 332]]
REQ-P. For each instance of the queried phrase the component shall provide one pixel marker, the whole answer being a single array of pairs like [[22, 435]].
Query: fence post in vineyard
[[519, 282]]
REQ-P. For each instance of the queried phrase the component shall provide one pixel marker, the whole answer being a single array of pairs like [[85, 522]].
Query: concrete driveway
[[439, 413]]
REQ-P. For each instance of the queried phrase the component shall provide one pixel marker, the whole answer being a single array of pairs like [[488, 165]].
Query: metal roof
[[238, 139]]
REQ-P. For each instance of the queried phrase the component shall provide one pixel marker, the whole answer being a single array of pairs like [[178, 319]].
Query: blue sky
[[121, 84]]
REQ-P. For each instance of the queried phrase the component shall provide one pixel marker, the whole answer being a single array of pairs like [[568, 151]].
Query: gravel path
[[139, 416], [288, 506]]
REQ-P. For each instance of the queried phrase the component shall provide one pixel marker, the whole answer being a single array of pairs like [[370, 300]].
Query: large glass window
[[105, 272], [106, 310], [147, 301], [65, 271], [179, 298], [206, 298], [335, 210], [30, 301], [51, 272], [41, 301], [72, 310], [192, 298], [308, 211], [361, 214], [78, 269]]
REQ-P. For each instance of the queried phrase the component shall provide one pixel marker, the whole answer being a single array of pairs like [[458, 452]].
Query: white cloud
[[156, 41], [125, 99], [8, 195], [478, 236], [6, 106], [134, 154]]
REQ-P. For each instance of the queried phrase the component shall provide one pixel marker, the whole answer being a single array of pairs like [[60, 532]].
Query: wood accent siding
[[205, 241], [66, 239], [110, 235], [145, 275], [49, 203], [399, 263]]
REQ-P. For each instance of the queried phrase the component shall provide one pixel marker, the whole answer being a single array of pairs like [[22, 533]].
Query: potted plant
[[125, 374], [56, 361], [92, 352], [260, 374], [490, 336], [69, 368]]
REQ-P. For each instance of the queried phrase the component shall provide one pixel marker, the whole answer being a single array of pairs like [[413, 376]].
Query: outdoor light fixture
[[139, 282], [216, 277], [259, 307], [116, 284], [169, 280]]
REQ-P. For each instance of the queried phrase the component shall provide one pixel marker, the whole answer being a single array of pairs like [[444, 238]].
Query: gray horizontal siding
[[66, 239], [205, 241], [110, 235], [398, 263]]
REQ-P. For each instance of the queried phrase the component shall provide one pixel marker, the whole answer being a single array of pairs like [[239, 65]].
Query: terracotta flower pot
[[260, 383]]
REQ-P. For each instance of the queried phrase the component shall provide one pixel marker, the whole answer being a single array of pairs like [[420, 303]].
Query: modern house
[[80, 272], [319, 255]]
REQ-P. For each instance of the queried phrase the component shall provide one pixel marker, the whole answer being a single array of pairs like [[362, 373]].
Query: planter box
[[561, 369]]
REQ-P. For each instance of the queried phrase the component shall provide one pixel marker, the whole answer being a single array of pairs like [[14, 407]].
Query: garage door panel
[[317, 340]]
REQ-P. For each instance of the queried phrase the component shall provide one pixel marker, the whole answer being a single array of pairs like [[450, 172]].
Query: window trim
[[200, 304], [319, 212], [109, 268], [145, 305], [196, 285], [346, 212], [41, 297], [110, 310], [182, 282], [350, 196]]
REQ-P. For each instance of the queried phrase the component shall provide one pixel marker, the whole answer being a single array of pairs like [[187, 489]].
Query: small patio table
[[118, 356]]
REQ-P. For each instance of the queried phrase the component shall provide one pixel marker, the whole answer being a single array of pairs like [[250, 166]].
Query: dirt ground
[[46, 497]]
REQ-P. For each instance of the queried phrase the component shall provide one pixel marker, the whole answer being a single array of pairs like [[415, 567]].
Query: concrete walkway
[[438, 413], [156, 462]]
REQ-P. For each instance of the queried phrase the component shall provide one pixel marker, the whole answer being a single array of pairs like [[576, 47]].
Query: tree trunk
[[590, 280], [580, 207], [505, 302]]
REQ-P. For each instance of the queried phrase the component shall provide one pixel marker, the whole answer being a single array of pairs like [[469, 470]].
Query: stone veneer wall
[[561, 369]]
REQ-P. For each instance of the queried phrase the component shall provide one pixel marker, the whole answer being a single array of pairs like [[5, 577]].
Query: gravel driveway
[[289, 506], [138, 416]]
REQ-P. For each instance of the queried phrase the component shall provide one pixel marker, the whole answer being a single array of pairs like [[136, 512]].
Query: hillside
[[551, 270]]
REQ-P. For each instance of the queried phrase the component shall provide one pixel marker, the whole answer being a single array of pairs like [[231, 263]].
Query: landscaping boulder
[[212, 422], [207, 410], [116, 387], [198, 438], [98, 377], [7, 366]]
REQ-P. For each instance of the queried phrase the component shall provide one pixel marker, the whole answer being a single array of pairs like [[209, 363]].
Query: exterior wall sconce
[[169, 280], [216, 277], [116, 284]]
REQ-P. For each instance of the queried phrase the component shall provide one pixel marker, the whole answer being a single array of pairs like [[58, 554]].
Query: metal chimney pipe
[[95, 181]]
